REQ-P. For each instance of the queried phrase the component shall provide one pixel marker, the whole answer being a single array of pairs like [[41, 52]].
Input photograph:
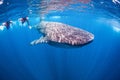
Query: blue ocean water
[[99, 60]]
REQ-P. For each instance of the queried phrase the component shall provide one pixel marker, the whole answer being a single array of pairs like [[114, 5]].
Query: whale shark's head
[[41, 27]]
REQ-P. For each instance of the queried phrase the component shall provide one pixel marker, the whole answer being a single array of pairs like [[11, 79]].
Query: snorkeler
[[24, 20], [7, 24]]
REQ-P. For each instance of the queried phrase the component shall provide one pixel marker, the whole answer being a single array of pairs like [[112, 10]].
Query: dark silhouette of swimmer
[[7, 24], [23, 20]]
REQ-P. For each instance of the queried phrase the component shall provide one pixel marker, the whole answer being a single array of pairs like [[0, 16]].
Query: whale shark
[[60, 33]]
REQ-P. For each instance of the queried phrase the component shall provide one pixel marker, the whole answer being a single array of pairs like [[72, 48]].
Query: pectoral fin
[[40, 40]]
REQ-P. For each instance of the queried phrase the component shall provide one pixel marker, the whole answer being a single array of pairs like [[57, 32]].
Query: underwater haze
[[98, 60]]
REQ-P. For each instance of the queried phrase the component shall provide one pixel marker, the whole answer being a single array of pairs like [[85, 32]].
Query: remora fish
[[57, 32]]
